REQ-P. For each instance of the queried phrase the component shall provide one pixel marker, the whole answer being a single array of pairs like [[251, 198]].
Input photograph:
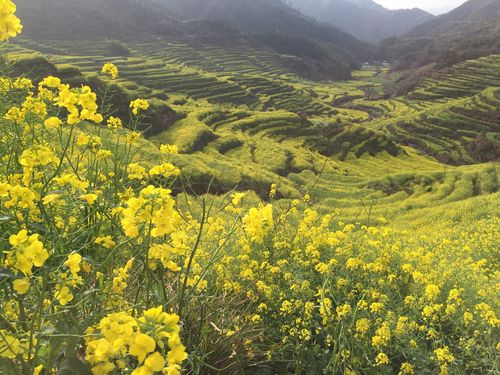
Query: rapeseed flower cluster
[[110, 70], [258, 222], [10, 25], [26, 252], [153, 339], [138, 105], [80, 104], [152, 211], [367, 296]]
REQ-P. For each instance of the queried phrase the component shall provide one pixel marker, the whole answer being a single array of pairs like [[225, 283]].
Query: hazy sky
[[433, 6]]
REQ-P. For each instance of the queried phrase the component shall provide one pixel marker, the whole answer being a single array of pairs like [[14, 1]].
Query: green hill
[[243, 121], [264, 16], [274, 21]]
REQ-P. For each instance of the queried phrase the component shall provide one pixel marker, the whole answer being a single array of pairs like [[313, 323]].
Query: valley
[[247, 122]]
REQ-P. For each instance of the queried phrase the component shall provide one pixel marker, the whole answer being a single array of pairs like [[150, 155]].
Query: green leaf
[[5, 218], [48, 331], [73, 366]]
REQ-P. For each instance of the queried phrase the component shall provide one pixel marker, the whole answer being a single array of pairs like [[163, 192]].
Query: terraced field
[[248, 121], [462, 80]]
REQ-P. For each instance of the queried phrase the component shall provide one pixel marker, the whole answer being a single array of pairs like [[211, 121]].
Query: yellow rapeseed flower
[[142, 346], [111, 70], [444, 355], [432, 292], [10, 25], [27, 252], [139, 104], [362, 326], [169, 149], [63, 295], [406, 369], [21, 286], [89, 198], [114, 123], [236, 198], [382, 359], [73, 263], [258, 222], [53, 122]]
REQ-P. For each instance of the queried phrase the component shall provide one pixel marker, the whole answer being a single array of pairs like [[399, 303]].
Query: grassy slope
[[249, 123]]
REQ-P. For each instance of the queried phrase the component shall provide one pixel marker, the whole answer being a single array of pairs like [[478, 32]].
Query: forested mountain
[[470, 12], [471, 30], [268, 17], [364, 19], [260, 16]]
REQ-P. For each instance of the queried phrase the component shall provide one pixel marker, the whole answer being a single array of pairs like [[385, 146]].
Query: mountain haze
[[93, 18], [282, 28], [364, 19]]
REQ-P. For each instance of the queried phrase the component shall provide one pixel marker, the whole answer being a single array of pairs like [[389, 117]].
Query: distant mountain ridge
[[469, 31], [75, 19], [365, 19]]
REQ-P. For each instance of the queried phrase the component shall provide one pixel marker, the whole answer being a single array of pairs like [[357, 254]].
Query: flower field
[[107, 266]]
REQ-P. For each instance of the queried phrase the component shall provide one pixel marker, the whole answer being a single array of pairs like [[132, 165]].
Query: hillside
[[144, 20], [227, 105], [91, 19], [246, 123], [271, 18], [469, 12], [469, 31], [241, 110], [262, 17], [365, 20]]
